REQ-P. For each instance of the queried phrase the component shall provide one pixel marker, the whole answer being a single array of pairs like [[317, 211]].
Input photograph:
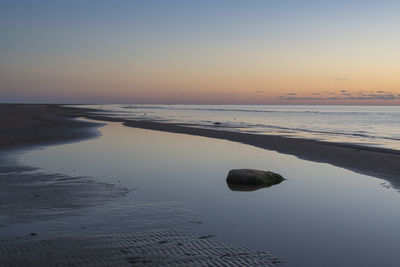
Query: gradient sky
[[218, 52]]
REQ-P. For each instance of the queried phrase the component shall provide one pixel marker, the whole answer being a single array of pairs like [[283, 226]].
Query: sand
[[28, 194], [23, 126], [155, 248]]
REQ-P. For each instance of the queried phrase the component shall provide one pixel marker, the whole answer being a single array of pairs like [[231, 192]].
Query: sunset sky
[[212, 52]]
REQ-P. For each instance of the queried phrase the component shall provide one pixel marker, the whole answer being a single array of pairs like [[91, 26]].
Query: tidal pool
[[320, 215]]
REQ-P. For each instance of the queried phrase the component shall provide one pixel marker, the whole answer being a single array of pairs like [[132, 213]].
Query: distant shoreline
[[31, 125]]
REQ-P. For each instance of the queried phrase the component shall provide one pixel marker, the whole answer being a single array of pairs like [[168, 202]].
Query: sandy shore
[[28, 194], [24, 125], [155, 248]]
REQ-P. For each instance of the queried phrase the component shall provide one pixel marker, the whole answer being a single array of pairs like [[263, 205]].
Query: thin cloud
[[308, 98], [339, 79], [345, 95]]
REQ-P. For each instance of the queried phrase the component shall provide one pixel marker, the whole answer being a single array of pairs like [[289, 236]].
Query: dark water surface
[[320, 216]]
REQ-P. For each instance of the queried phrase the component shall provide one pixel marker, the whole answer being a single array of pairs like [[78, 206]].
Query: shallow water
[[320, 216]]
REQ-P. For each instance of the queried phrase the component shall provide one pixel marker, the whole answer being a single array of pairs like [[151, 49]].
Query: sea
[[374, 126]]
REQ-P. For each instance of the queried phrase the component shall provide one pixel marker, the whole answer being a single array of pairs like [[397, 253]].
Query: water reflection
[[321, 216], [245, 188]]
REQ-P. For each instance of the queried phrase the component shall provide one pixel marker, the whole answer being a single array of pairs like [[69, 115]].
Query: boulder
[[250, 179]]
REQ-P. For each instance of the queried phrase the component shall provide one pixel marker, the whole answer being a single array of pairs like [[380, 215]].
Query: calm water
[[321, 216], [366, 125]]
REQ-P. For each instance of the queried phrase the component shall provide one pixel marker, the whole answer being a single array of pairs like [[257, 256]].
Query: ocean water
[[376, 126]]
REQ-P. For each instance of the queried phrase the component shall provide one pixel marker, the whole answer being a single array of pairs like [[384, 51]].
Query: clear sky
[[217, 52]]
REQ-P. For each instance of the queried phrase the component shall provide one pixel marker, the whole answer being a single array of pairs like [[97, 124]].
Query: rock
[[250, 180]]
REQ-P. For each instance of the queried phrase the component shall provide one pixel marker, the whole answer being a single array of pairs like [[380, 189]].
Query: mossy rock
[[250, 179]]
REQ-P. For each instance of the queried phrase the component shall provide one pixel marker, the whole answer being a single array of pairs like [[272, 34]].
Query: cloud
[[259, 92], [344, 95], [339, 79], [291, 94], [307, 98]]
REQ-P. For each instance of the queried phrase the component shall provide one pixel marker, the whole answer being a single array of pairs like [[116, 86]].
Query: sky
[[200, 52]]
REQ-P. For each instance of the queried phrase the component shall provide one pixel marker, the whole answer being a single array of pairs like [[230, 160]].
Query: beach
[[52, 124], [30, 195], [199, 133]]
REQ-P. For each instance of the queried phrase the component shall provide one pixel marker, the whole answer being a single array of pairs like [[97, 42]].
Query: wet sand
[[156, 248], [25, 125], [28, 194]]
